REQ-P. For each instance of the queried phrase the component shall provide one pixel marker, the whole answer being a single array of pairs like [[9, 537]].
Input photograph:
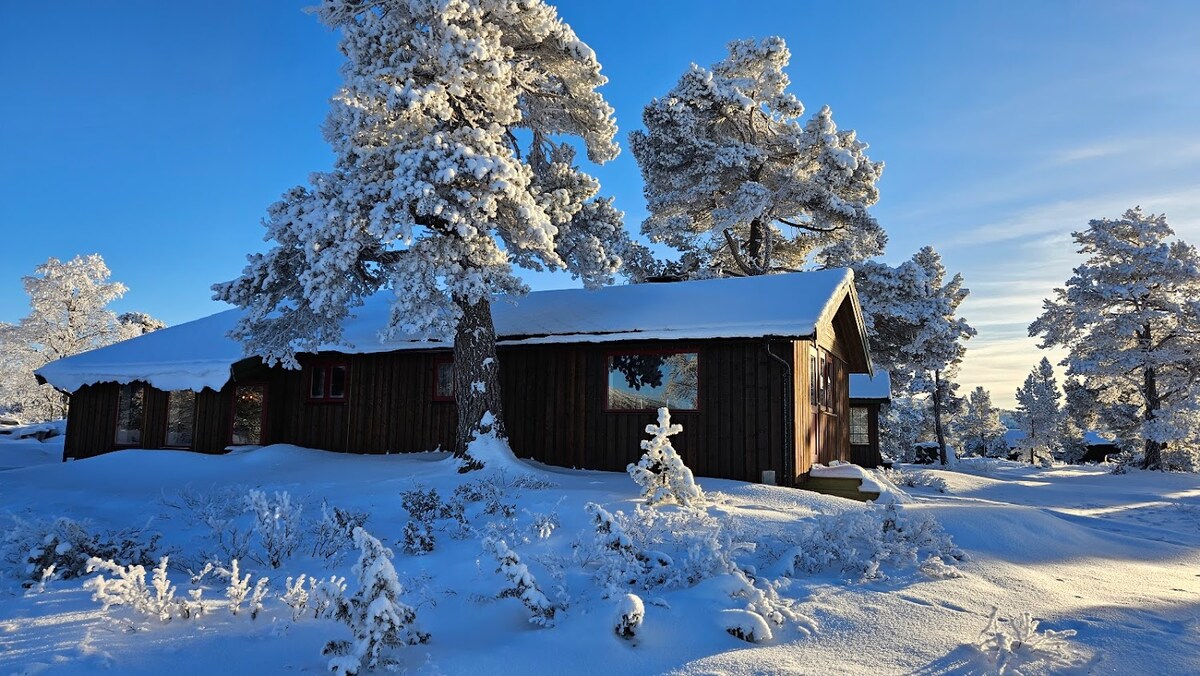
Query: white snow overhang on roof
[[199, 354]]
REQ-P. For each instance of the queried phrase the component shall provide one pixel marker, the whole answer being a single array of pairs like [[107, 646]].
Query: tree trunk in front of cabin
[[937, 416], [476, 380], [1152, 458]]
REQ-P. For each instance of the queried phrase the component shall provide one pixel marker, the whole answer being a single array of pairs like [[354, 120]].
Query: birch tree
[[1129, 318], [451, 166]]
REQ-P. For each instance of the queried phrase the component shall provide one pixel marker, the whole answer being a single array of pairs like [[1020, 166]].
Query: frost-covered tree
[[980, 431], [68, 314], [738, 183], [661, 472], [911, 315], [1129, 318], [1039, 411], [904, 423], [450, 167]]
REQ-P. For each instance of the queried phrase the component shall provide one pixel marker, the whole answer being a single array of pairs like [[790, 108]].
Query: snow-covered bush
[[127, 587], [661, 473], [746, 625], [521, 583], [31, 546], [277, 522], [378, 620], [763, 601], [1012, 644], [863, 543], [333, 535], [418, 538], [220, 511], [916, 479], [629, 615], [620, 563], [425, 507], [238, 588]]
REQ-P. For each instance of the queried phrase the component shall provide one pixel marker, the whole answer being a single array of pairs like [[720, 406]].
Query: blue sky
[[156, 133]]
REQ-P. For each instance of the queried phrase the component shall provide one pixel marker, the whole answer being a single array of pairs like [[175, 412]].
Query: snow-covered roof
[[199, 353], [867, 386]]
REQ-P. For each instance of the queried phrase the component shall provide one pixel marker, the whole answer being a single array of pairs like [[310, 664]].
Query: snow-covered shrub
[[220, 511], [916, 479], [239, 586], [620, 563], [30, 546], [522, 584], [1012, 644], [127, 587], [660, 472], [764, 601], [425, 507], [418, 538], [378, 620], [746, 625], [543, 525], [862, 543], [333, 535], [629, 615], [277, 522]]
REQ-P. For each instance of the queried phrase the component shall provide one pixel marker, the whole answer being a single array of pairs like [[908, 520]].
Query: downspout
[[789, 433]]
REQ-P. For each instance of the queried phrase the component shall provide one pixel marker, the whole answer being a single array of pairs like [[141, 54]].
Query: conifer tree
[[450, 168], [979, 428], [1039, 411], [1129, 318]]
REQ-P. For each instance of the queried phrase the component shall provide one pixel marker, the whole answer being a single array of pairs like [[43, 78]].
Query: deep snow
[[1115, 558]]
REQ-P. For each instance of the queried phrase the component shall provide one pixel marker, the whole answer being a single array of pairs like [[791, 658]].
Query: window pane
[[860, 426], [649, 381], [181, 414], [129, 415], [443, 385], [316, 387], [337, 382], [247, 414]]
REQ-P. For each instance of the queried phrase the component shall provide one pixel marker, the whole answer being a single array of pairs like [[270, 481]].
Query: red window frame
[[608, 355], [439, 361], [167, 420], [117, 417], [326, 368], [262, 433]]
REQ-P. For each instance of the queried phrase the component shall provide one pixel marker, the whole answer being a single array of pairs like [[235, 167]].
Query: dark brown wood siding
[[867, 455]]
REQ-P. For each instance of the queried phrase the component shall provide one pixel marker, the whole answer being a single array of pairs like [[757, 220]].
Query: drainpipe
[[789, 433]]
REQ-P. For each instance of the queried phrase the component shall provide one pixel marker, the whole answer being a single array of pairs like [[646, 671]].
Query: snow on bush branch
[[661, 472]]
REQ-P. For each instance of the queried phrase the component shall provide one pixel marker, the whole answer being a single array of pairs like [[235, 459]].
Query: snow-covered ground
[[1114, 558]]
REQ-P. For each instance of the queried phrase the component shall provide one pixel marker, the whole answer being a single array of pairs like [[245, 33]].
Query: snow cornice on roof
[[199, 354]]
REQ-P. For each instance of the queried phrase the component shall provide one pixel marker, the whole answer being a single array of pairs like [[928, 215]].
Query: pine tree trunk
[[1152, 457], [476, 378], [937, 416]]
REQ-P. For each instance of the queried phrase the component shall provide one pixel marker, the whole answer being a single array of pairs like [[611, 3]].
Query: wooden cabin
[[756, 370], [868, 395]]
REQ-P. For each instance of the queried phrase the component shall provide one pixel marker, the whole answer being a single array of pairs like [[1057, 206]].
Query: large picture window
[[645, 381], [249, 410], [131, 409], [327, 382], [181, 418]]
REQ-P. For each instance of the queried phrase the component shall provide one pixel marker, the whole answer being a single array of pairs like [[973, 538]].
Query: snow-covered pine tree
[[377, 617], [68, 314], [448, 170], [738, 184], [980, 431], [911, 314], [661, 472], [1129, 318], [1039, 411], [903, 423]]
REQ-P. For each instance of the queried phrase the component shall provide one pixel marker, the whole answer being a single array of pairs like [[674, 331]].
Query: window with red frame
[[327, 382], [646, 381], [443, 378]]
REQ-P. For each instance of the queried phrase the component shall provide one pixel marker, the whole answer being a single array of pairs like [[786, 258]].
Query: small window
[[645, 381], [327, 382], [130, 414], [248, 415], [443, 378], [860, 426], [181, 418]]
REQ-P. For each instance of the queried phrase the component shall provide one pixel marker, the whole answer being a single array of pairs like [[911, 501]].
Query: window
[[860, 426], [181, 418], [130, 414], [327, 382], [248, 414], [645, 381], [443, 378]]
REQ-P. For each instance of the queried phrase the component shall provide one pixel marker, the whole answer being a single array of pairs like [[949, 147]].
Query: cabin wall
[[868, 455]]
